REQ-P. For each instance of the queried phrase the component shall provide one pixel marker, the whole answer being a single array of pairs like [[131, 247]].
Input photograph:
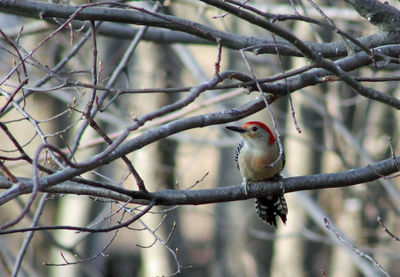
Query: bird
[[257, 160]]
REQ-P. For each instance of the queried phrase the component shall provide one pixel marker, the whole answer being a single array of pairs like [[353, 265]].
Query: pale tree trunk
[[70, 210], [147, 162], [169, 75], [155, 258], [349, 222], [288, 252]]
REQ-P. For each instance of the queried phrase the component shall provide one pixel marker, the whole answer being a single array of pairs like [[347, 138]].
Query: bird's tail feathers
[[268, 208]]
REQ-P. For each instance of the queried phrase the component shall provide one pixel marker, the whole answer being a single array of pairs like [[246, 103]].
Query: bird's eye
[[254, 129]]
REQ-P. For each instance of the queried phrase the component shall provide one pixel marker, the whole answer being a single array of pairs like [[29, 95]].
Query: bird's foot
[[245, 185], [282, 187]]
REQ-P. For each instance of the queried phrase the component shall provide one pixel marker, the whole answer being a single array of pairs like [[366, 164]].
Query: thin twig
[[219, 57], [286, 86], [354, 248], [29, 235], [266, 101], [85, 229], [393, 236]]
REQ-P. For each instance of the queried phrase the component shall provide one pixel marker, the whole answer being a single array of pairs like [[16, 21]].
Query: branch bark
[[195, 32], [350, 177], [383, 16]]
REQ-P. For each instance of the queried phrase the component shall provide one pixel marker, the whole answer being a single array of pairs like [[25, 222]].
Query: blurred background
[[340, 130]]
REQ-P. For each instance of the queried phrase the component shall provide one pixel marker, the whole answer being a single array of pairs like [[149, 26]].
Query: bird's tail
[[268, 208]]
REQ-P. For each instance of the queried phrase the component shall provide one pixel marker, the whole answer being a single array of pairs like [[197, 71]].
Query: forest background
[[114, 156]]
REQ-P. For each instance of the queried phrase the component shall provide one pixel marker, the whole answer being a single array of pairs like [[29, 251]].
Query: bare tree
[[112, 141]]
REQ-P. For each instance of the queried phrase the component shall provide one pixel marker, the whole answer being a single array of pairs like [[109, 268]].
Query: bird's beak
[[236, 129]]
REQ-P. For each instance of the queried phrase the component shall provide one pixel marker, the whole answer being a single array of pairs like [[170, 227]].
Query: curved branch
[[42, 10], [195, 32], [85, 229]]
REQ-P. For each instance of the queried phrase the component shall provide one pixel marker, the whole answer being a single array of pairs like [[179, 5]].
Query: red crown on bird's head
[[248, 125]]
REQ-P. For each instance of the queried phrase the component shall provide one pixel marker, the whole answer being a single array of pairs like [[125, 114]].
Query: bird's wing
[[238, 148]]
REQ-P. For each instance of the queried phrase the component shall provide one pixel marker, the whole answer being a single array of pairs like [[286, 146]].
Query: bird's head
[[254, 130]]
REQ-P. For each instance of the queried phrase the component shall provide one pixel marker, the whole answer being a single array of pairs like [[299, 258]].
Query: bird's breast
[[256, 167]]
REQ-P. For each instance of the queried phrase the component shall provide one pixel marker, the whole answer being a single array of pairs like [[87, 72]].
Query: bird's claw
[[282, 187], [245, 185]]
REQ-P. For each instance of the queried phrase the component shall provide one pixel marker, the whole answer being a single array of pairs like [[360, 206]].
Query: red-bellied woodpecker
[[257, 160]]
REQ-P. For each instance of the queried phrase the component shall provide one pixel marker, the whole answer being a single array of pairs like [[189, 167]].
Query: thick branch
[[385, 17], [195, 32], [44, 10], [350, 177]]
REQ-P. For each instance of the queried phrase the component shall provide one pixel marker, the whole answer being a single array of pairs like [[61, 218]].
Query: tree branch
[[195, 32], [350, 177], [385, 17]]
